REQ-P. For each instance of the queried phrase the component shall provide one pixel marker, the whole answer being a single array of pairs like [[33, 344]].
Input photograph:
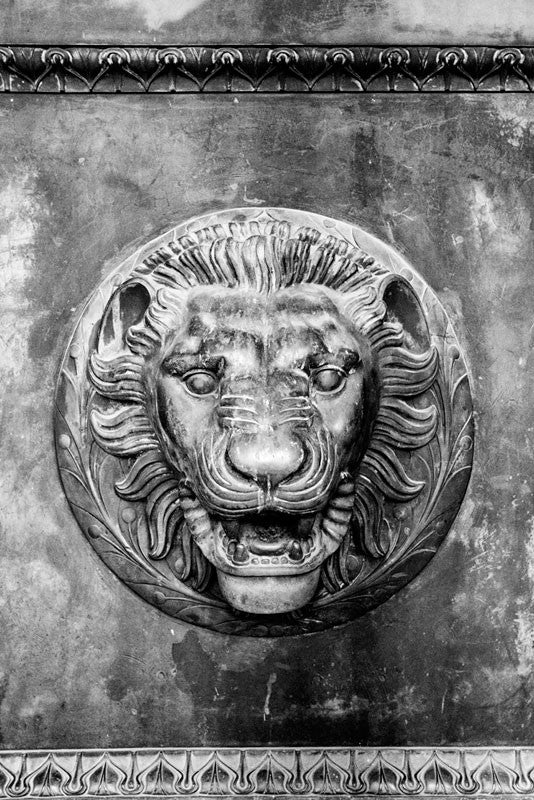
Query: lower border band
[[503, 772]]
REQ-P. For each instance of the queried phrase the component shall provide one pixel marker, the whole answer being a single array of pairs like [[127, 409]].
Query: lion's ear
[[126, 307], [403, 306]]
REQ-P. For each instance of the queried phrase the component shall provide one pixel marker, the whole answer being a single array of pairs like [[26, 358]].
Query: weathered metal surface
[[447, 181], [262, 21]]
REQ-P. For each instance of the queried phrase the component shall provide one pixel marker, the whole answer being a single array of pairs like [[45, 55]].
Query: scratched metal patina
[[277, 21], [448, 182]]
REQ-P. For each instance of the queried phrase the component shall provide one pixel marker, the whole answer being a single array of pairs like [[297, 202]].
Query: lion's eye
[[328, 379], [200, 382]]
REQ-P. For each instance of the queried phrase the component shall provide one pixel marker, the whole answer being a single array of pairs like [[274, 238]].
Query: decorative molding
[[251, 772], [265, 69]]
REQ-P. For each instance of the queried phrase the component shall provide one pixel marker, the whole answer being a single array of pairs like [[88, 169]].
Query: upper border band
[[263, 69]]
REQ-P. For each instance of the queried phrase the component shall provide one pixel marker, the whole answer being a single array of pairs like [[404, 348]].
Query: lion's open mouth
[[271, 543], [268, 539], [268, 543], [269, 561]]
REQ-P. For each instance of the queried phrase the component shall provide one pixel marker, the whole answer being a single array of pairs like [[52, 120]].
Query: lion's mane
[[264, 256]]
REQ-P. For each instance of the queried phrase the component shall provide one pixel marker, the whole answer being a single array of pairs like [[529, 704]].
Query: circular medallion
[[264, 422]]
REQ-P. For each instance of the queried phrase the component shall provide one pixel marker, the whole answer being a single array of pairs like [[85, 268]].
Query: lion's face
[[264, 410], [268, 384], [266, 402]]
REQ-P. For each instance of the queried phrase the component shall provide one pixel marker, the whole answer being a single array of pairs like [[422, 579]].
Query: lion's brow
[[319, 320], [326, 329], [243, 326], [182, 362]]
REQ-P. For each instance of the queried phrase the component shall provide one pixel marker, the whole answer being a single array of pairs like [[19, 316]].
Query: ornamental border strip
[[445, 772], [263, 69]]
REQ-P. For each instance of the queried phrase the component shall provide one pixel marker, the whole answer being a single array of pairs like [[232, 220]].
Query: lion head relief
[[267, 386]]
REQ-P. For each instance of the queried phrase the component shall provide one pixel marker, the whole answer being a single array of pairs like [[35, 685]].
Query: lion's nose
[[267, 457]]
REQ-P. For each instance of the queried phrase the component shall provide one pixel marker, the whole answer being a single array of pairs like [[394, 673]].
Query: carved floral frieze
[[444, 772], [290, 68]]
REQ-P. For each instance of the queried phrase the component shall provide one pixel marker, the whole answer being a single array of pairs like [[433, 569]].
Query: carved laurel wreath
[[129, 500]]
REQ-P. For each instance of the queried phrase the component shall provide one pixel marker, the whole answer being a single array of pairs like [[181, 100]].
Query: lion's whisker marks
[[239, 422], [237, 398], [297, 409], [299, 419], [298, 399], [294, 402], [230, 411]]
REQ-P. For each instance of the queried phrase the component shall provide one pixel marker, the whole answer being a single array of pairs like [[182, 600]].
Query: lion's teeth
[[231, 547], [241, 554], [306, 546], [295, 551]]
